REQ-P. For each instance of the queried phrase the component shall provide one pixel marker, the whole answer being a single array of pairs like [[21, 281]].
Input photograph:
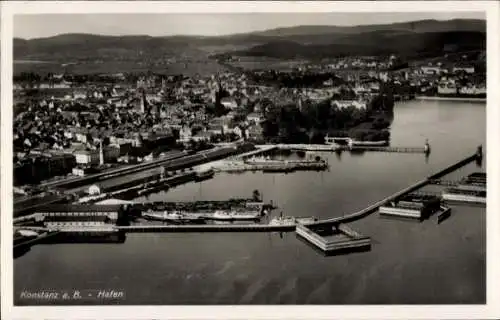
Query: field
[[202, 67], [263, 63]]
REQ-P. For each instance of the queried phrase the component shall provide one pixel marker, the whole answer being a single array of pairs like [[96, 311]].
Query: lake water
[[409, 263]]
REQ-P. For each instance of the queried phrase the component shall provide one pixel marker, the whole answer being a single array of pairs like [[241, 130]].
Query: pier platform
[[340, 239]]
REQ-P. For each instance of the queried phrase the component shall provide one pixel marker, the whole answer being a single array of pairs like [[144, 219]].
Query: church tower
[[144, 102], [101, 154]]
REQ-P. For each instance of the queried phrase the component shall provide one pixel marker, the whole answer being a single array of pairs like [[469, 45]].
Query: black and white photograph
[[325, 158]]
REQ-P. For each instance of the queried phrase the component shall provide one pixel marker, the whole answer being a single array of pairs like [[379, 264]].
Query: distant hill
[[414, 26], [409, 38], [409, 45]]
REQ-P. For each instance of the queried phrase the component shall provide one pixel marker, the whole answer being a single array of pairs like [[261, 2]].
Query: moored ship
[[174, 217], [290, 221], [204, 175], [220, 215]]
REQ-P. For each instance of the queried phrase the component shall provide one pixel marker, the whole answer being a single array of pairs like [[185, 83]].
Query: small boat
[[27, 233], [204, 175], [233, 216]]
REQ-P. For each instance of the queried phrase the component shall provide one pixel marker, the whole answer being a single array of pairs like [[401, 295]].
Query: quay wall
[[174, 162], [209, 228], [464, 99]]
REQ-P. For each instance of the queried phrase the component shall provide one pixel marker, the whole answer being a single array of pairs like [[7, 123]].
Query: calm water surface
[[409, 263]]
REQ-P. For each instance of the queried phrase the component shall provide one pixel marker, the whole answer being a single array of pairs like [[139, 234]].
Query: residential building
[[87, 157]]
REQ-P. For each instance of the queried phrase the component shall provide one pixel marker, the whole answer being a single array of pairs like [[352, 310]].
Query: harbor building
[[473, 182], [462, 195], [471, 189], [81, 217], [412, 206]]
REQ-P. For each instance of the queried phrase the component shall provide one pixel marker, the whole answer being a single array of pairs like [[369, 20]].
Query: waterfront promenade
[[462, 99]]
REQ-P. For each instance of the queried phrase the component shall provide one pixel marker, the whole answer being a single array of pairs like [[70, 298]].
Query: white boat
[[27, 233], [232, 216], [286, 221], [178, 217]]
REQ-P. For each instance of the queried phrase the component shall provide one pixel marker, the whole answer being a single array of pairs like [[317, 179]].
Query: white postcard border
[[490, 310]]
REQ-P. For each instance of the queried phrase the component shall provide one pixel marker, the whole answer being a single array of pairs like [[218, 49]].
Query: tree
[[256, 196]]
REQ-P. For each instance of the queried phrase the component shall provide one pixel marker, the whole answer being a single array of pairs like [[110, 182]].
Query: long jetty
[[307, 147], [370, 209], [387, 149]]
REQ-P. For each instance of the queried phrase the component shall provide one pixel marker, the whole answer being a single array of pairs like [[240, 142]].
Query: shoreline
[[464, 99]]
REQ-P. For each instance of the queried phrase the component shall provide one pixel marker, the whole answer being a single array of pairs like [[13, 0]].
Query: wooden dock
[[260, 149], [308, 147], [385, 149]]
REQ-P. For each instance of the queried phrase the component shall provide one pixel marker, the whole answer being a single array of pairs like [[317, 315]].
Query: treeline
[[294, 79], [32, 77], [406, 44], [310, 124]]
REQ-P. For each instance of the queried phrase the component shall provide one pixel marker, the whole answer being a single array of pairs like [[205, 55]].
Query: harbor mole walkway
[[370, 209], [260, 149], [387, 149]]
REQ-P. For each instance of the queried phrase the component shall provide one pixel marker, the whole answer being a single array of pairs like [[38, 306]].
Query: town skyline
[[157, 25]]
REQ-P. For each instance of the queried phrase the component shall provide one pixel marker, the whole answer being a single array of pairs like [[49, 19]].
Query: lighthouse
[[427, 147]]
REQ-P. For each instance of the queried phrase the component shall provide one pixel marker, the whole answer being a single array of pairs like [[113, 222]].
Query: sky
[[39, 26]]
